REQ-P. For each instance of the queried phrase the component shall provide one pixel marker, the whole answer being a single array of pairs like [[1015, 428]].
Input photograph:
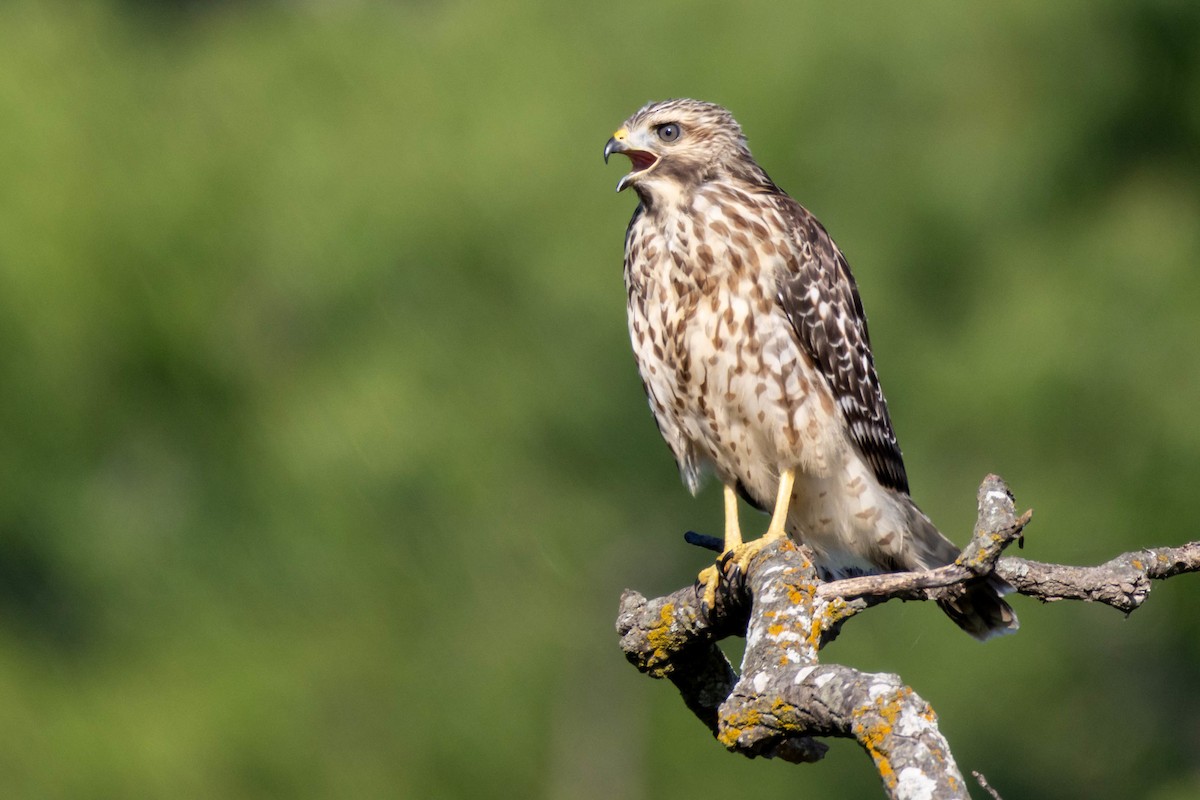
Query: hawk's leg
[[733, 531], [783, 499], [737, 552], [733, 540]]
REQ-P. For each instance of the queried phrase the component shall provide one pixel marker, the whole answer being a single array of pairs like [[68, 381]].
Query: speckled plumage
[[752, 345]]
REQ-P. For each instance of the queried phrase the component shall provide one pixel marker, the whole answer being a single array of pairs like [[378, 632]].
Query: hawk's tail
[[977, 607]]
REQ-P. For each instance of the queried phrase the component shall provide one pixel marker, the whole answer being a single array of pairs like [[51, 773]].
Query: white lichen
[[885, 683], [803, 673], [913, 784]]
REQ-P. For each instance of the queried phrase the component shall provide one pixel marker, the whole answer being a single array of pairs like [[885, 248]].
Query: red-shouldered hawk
[[752, 346]]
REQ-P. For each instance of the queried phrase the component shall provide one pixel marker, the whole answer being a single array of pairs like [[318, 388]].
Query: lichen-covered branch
[[1123, 582], [670, 637], [785, 699]]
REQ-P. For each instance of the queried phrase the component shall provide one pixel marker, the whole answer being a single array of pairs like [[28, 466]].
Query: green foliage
[[322, 456]]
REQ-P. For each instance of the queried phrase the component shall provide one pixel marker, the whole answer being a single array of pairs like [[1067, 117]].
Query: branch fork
[[785, 699]]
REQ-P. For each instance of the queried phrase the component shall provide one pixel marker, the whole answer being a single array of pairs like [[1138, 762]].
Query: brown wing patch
[[820, 298]]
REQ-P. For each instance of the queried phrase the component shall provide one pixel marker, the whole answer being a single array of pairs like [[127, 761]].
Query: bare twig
[[987, 787]]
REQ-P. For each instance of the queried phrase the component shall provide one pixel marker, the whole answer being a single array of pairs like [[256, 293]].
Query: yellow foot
[[740, 554], [732, 561], [709, 578]]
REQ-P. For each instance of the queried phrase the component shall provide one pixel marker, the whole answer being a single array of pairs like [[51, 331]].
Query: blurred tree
[[322, 457]]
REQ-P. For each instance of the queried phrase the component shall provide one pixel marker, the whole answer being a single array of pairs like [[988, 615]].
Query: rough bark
[[785, 699]]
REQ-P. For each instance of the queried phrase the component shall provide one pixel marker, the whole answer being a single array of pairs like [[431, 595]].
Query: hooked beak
[[643, 161]]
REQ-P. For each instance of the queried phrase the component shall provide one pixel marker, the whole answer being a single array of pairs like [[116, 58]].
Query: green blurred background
[[323, 459]]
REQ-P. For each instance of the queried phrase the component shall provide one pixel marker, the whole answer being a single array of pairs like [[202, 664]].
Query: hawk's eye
[[668, 132]]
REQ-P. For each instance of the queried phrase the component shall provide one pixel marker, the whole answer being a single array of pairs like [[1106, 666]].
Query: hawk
[[752, 346]]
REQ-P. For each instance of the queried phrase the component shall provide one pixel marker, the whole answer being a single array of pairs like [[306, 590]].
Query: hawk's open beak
[[613, 146], [642, 160]]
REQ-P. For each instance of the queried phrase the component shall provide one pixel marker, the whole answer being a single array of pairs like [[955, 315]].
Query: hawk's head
[[675, 145]]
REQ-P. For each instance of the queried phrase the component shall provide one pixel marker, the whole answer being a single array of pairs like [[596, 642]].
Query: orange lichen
[[732, 727], [781, 717], [873, 727], [784, 712], [829, 615], [798, 593], [665, 641]]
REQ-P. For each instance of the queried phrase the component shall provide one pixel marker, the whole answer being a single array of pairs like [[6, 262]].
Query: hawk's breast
[[728, 384]]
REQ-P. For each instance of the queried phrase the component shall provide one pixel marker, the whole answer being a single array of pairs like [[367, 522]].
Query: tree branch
[[996, 528], [785, 698], [1123, 582]]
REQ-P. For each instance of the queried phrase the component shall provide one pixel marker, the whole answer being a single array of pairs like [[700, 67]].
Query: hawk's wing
[[820, 298]]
